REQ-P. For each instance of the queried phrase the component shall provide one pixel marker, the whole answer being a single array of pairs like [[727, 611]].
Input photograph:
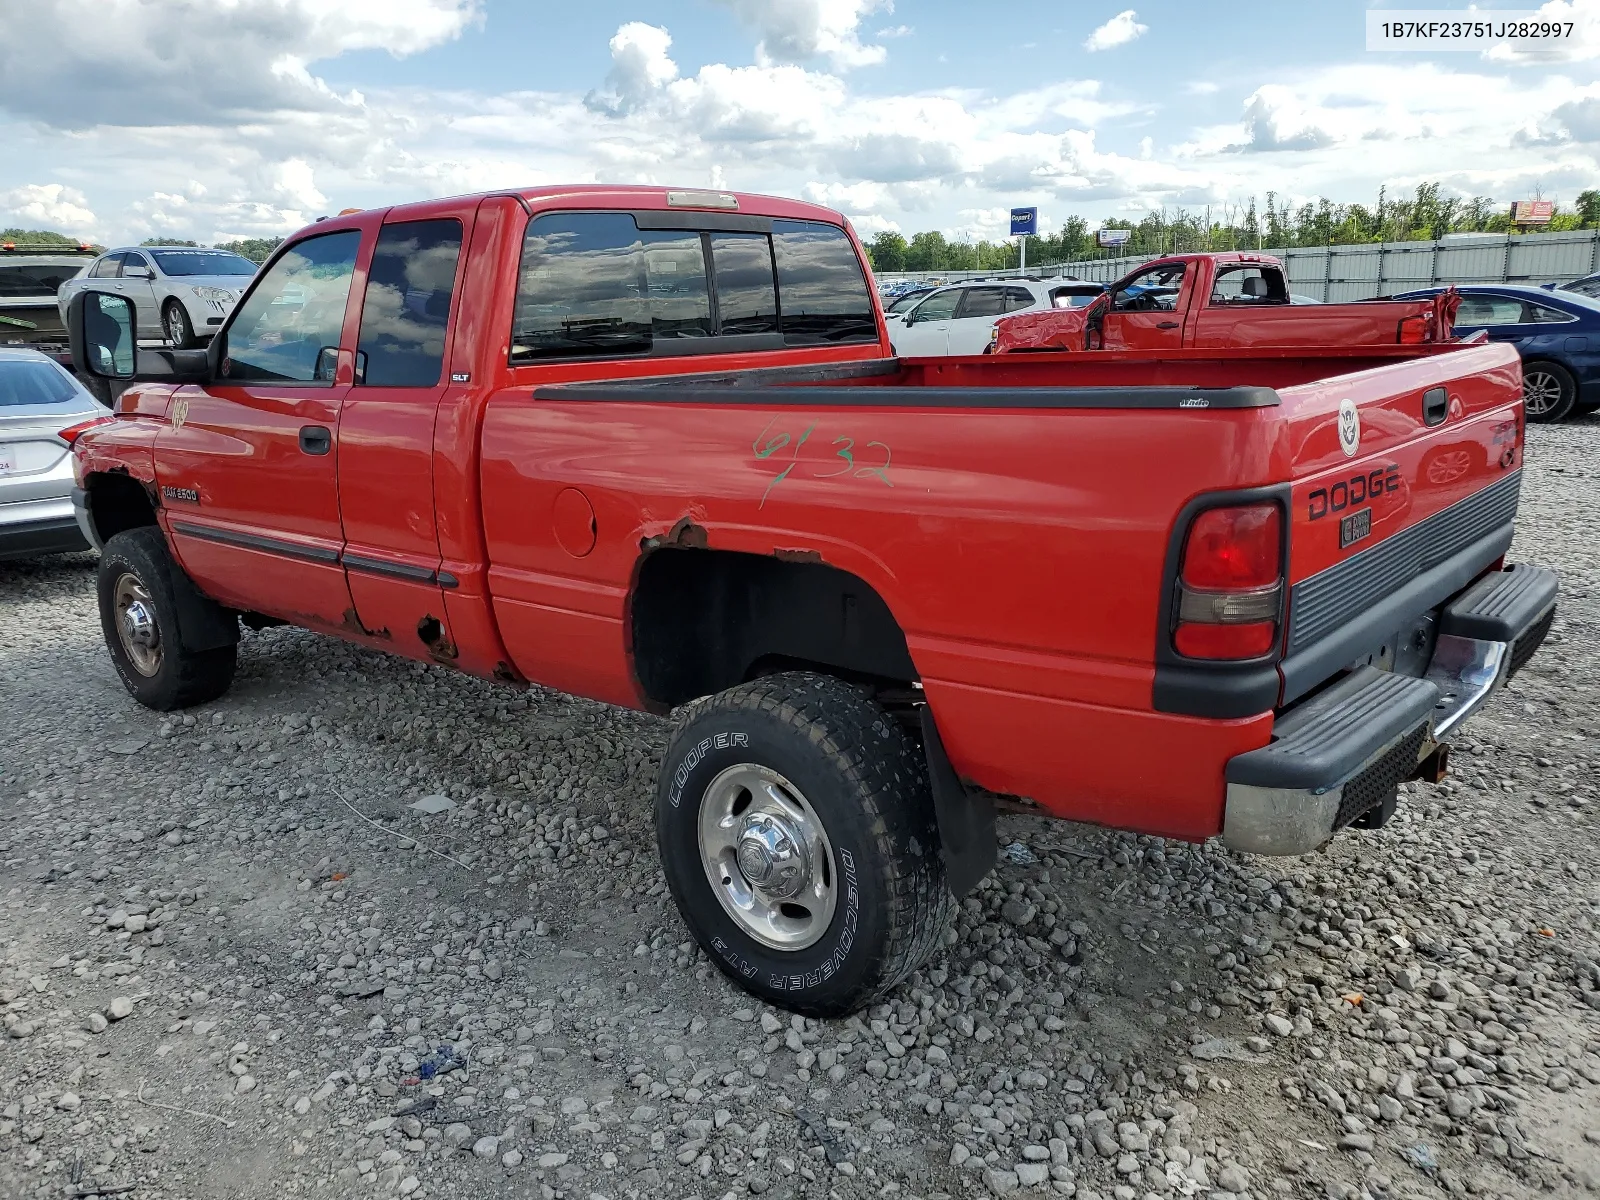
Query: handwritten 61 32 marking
[[844, 450]]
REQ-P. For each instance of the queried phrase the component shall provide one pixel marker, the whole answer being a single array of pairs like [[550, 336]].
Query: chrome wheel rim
[[767, 857], [1541, 392], [136, 625], [175, 329]]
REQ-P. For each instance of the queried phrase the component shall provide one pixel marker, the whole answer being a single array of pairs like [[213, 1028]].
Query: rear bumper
[[50, 535], [1341, 753]]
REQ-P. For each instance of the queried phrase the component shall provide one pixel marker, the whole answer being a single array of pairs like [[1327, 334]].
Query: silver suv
[[960, 319]]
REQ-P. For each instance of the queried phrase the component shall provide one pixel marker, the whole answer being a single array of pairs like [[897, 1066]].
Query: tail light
[[1230, 588], [1414, 330], [72, 433]]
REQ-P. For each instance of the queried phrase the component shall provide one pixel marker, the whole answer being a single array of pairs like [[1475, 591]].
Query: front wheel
[[1548, 391], [176, 325], [139, 618], [796, 829]]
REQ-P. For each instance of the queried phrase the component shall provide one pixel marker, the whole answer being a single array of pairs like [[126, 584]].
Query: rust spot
[[431, 631], [504, 672], [811, 556], [350, 622], [687, 533]]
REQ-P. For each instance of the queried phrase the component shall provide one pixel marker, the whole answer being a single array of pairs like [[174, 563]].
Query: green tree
[[928, 252], [888, 251], [37, 237], [161, 241], [1589, 209], [255, 249]]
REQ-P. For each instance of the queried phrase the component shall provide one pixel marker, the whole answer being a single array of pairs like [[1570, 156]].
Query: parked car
[[960, 318], [31, 277], [180, 293], [904, 301], [1211, 301], [1589, 286], [43, 409], [1556, 332], [1298, 298], [1135, 592]]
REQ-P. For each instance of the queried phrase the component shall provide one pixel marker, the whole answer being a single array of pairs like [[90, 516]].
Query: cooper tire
[[176, 325], [865, 781], [146, 646], [1548, 391]]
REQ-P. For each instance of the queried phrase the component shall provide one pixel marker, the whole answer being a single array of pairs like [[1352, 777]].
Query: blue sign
[[1024, 221]]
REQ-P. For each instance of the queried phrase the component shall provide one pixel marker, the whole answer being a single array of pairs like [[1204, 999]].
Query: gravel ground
[[219, 980]]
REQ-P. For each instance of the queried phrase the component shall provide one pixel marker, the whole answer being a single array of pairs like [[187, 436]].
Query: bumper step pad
[[1504, 606]]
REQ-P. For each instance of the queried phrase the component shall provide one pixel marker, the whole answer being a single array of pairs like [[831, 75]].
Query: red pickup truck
[[1220, 301], [650, 447]]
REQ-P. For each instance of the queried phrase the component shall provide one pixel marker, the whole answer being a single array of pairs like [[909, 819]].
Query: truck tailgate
[[1405, 485]]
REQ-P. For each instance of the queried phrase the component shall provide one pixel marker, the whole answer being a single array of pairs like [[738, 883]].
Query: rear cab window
[[597, 285], [406, 309], [1249, 285]]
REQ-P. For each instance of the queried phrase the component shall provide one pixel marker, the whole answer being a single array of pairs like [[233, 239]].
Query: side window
[[982, 302], [135, 260], [407, 305], [1249, 285], [288, 330], [747, 294], [1539, 314], [1018, 299], [940, 306], [822, 293], [581, 290], [107, 267], [1155, 290], [33, 279], [1489, 310]]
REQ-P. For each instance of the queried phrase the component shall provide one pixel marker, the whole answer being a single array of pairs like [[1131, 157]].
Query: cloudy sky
[[215, 119]]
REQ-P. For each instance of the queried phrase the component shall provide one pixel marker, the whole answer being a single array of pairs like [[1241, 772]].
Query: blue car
[[1557, 333]]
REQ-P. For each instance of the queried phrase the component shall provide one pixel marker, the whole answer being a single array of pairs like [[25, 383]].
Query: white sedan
[[180, 294], [960, 319]]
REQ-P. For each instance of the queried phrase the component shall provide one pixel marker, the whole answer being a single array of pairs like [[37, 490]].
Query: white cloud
[[1274, 119], [895, 31], [47, 205], [799, 31], [136, 63], [1118, 31], [640, 67]]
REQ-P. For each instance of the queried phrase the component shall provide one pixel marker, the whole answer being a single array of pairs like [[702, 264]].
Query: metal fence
[[1340, 273]]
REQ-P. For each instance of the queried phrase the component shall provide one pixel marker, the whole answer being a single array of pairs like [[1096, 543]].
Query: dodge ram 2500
[[650, 447]]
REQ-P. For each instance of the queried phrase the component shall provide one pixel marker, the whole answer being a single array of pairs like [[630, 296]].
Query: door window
[[983, 302], [134, 260], [107, 267], [288, 329], [407, 306], [822, 293], [940, 306], [747, 292], [1155, 290], [1489, 310], [1018, 299]]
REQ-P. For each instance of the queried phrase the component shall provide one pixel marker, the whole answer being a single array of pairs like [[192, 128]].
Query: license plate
[[1354, 527]]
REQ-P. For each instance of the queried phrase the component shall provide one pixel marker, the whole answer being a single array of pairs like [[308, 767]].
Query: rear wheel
[[797, 833], [139, 619], [1548, 391], [177, 326]]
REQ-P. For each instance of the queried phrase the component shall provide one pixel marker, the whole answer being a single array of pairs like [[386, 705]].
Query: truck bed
[[900, 473]]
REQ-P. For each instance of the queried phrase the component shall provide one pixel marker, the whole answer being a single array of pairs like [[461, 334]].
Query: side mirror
[[137, 273], [101, 330]]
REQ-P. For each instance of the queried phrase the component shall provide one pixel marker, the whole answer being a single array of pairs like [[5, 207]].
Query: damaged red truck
[[650, 447], [1218, 301]]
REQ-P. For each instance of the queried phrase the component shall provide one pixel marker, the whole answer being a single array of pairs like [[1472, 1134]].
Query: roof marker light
[[701, 200]]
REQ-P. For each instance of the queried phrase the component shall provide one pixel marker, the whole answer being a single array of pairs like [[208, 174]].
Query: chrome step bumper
[[1338, 755]]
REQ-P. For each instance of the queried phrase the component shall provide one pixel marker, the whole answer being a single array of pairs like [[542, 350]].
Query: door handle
[[1166, 324], [316, 439]]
